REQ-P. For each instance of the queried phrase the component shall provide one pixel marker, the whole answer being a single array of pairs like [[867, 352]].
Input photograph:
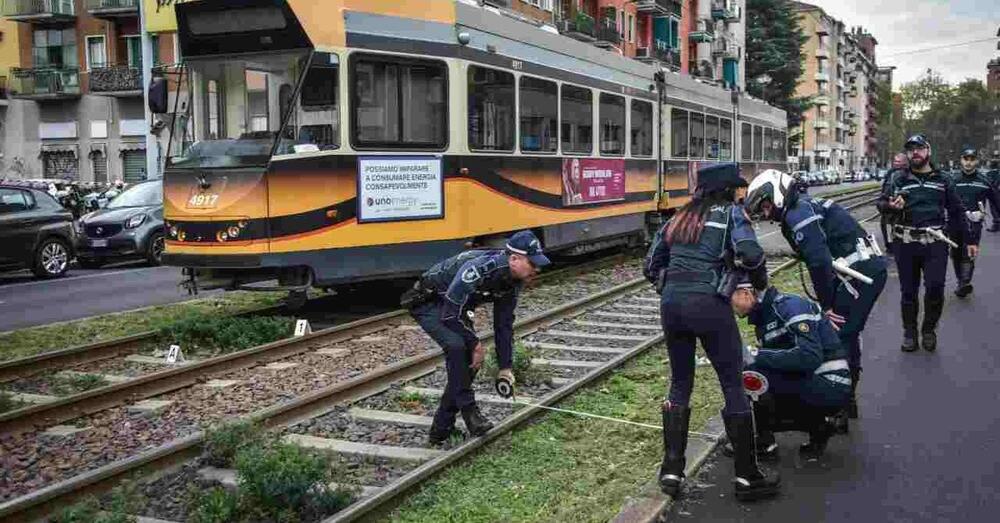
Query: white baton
[[940, 235], [842, 268]]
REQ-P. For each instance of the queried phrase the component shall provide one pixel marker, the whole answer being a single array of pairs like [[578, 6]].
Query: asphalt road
[[926, 446]]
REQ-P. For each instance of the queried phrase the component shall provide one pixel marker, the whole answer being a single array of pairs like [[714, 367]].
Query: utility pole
[[152, 145]]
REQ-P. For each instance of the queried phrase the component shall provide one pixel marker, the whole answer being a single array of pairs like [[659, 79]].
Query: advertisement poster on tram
[[593, 180], [396, 188]]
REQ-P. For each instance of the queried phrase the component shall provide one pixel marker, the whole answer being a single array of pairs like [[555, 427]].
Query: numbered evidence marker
[[302, 328], [175, 355]]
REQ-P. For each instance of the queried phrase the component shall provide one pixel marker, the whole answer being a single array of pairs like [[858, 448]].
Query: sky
[[910, 25]]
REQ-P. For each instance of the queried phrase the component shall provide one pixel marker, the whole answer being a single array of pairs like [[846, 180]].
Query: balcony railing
[[660, 52], [115, 79], [580, 27], [39, 10], [704, 32], [607, 33], [45, 82], [658, 7], [113, 8], [726, 11]]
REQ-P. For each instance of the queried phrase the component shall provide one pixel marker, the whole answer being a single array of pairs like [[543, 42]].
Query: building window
[[678, 133], [577, 119], [539, 115], [697, 140], [60, 164], [746, 143], [134, 166], [612, 124], [133, 48], [54, 48], [758, 144], [712, 137], [642, 128], [97, 55], [399, 103], [100, 166], [491, 109], [725, 139]]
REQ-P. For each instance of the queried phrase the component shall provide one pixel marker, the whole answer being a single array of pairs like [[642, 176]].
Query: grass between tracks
[[27, 342], [567, 468]]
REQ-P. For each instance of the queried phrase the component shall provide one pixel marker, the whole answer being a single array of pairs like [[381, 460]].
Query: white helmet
[[770, 185]]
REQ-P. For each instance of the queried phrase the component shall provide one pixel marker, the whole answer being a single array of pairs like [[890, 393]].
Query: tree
[[889, 129], [774, 49]]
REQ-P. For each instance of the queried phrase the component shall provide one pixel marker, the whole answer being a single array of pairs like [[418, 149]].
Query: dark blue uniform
[[884, 218], [975, 191], [821, 231], [993, 177], [456, 286], [931, 201], [692, 307]]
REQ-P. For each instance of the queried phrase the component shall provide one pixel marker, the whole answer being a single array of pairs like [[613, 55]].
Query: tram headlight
[[181, 235], [222, 236], [234, 231], [173, 231]]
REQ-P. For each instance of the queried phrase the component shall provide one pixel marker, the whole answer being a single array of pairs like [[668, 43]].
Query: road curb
[[650, 504]]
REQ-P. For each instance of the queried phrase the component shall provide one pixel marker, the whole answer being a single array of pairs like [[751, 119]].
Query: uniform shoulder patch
[[803, 327], [470, 275]]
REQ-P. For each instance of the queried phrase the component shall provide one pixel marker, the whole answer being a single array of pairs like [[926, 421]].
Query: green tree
[[774, 41]]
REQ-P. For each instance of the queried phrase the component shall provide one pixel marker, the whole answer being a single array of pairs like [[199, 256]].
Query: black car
[[36, 232], [130, 226]]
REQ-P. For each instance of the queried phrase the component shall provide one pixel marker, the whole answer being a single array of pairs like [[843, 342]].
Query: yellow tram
[[323, 142]]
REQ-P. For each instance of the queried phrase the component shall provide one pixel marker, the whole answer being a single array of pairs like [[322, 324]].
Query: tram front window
[[229, 111]]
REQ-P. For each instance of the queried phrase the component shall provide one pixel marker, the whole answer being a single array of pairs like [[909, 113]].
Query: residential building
[[993, 86], [839, 76], [716, 42], [75, 106]]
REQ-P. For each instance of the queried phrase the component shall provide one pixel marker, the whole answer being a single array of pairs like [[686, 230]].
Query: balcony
[[607, 33], [726, 11], [45, 83], [39, 11], [115, 80], [659, 53], [580, 27], [822, 53], [822, 77], [822, 100], [726, 51], [704, 32], [658, 7], [112, 9], [821, 124]]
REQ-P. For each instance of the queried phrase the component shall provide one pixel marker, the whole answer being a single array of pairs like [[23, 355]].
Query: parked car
[[129, 227], [36, 232]]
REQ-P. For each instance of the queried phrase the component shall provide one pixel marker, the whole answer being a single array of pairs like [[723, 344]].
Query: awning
[[131, 146], [56, 148], [98, 149]]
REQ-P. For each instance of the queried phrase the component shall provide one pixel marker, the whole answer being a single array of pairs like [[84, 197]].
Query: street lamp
[[764, 80]]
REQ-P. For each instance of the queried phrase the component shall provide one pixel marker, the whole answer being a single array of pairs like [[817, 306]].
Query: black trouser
[[912, 260], [787, 412], [857, 310], [689, 317], [458, 392]]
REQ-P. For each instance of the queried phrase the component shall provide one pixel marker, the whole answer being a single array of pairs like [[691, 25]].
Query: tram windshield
[[229, 111]]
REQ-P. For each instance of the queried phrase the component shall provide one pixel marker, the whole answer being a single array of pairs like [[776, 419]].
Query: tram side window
[[725, 139], [399, 104], [539, 114], [746, 143], [491, 109], [642, 128], [678, 133], [612, 124], [319, 120], [712, 137], [577, 119], [697, 135], [758, 144]]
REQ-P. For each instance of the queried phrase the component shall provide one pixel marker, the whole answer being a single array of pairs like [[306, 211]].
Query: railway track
[[582, 340]]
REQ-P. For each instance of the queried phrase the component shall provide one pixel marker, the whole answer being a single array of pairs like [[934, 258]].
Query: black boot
[[675, 437], [932, 313], [910, 340], [442, 428], [764, 421], [820, 432], [964, 271], [750, 483], [475, 421], [852, 407]]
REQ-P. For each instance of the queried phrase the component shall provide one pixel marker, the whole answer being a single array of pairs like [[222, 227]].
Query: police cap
[[970, 151], [526, 244], [916, 141], [720, 176]]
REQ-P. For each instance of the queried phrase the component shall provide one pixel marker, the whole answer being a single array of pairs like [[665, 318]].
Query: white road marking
[[71, 278]]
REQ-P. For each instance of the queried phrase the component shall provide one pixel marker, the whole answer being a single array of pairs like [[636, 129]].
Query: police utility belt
[[866, 249], [724, 283], [416, 296], [924, 235]]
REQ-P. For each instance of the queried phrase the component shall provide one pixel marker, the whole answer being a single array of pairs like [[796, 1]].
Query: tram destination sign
[[396, 188], [593, 180]]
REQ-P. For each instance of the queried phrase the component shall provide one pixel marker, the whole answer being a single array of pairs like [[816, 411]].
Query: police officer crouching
[[975, 191], [828, 239], [692, 262], [443, 300], [922, 202], [802, 358]]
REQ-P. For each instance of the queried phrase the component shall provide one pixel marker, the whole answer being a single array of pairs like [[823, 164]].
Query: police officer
[[691, 262], [802, 358], [974, 190], [993, 175], [899, 163], [826, 236], [443, 301], [922, 202]]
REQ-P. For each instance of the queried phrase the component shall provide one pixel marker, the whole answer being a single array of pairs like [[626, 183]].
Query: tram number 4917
[[203, 200]]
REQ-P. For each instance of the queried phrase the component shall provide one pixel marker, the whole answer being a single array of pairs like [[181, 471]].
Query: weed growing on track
[[525, 372], [223, 334], [413, 401], [64, 385], [26, 342], [214, 505], [8, 403], [224, 441], [123, 501]]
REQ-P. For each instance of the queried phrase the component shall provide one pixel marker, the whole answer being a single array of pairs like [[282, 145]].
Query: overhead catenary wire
[[938, 47]]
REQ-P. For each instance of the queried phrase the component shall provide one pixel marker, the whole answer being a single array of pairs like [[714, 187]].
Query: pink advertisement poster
[[592, 180]]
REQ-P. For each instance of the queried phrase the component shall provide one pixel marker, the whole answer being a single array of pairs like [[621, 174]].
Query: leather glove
[[974, 216]]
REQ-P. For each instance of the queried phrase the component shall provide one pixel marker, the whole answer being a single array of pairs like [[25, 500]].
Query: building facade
[[75, 106], [839, 75], [993, 86]]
